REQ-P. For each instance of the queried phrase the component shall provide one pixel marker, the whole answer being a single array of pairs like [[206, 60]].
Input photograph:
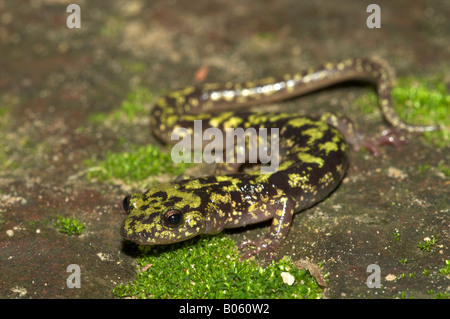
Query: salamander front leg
[[281, 222]]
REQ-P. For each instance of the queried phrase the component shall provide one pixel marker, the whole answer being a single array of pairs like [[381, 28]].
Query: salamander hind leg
[[283, 208], [354, 136]]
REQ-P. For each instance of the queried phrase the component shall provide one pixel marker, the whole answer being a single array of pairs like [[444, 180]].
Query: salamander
[[313, 157]]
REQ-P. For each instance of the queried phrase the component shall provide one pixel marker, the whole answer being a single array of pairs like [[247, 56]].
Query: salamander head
[[162, 215]]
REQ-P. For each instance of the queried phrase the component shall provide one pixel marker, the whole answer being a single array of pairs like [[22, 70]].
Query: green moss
[[444, 169], [3, 111], [132, 107], [5, 161], [400, 295], [266, 36], [426, 245], [33, 222], [137, 165], [442, 295], [396, 234], [368, 103], [418, 101], [133, 66], [112, 27], [209, 267], [445, 271], [98, 118], [423, 168], [69, 226]]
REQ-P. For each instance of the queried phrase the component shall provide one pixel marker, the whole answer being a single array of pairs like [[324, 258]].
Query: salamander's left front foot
[[264, 244], [282, 209]]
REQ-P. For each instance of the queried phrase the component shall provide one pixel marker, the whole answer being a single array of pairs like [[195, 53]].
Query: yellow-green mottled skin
[[313, 157]]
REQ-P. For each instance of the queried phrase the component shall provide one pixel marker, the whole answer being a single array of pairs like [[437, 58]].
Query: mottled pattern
[[313, 158]]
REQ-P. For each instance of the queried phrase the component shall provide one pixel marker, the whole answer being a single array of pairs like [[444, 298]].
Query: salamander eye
[[126, 204], [173, 218]]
